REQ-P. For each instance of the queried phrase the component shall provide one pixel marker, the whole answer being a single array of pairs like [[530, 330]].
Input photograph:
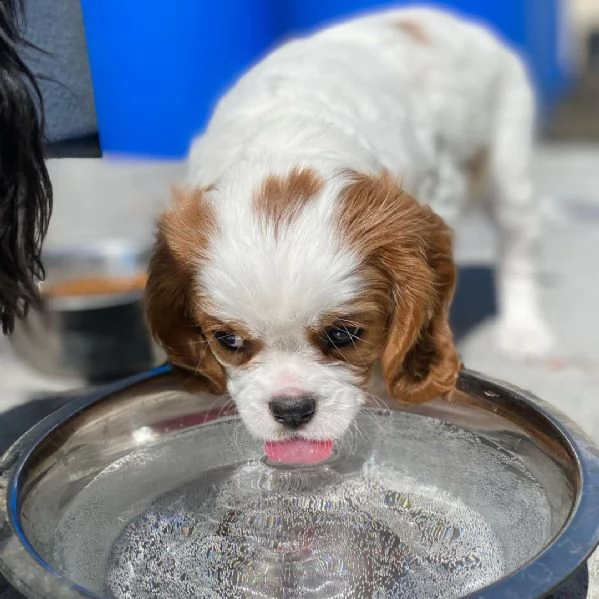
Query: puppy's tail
[[25, 188]]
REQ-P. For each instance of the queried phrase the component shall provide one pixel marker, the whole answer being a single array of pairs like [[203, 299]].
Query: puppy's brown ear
[[413, 248], [172, 301], [420, 361]]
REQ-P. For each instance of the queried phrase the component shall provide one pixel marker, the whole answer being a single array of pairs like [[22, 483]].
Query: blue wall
[[158, 66]]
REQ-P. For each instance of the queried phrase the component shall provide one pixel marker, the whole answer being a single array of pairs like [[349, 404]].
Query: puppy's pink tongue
[[298, 451]]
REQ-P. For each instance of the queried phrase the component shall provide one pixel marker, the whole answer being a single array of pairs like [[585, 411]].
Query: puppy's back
[[379, 83]]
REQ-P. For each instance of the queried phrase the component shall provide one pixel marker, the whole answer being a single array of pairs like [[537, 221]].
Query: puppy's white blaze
[[277, 285], [268, 281]]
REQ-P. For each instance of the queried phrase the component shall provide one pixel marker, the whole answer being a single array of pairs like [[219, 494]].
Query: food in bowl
[[96, 285]]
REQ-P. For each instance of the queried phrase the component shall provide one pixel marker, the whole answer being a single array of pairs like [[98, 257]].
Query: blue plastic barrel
[[159, 66], [535, 27]]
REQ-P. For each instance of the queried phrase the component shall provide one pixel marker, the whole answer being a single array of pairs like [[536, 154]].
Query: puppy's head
[[286, 299]]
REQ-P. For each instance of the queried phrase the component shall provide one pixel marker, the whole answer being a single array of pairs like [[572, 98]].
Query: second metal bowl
[[97, 334]]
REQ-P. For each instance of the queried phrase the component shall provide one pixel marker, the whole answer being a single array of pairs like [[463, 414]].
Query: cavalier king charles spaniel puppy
[[311, 241], [25, 189]]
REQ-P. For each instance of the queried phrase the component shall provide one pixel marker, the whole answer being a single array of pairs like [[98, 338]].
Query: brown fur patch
[[414, 30], [280, 200], [172, 302], [187, 227], [476, 171], [411, 247]]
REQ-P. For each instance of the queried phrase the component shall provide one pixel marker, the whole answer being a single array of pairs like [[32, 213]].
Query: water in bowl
[[411, 507]]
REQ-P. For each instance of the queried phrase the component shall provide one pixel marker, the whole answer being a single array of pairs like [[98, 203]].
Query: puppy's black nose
[[293, 411]]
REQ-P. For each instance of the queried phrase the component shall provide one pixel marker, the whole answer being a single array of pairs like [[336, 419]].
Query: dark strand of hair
[[25, 188]]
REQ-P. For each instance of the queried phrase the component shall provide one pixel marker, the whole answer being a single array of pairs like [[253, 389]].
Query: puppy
[[311, 240], [25, 189]]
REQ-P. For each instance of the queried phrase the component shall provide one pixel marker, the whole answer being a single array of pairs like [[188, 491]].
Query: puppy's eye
[[229, 340], [336, 337]]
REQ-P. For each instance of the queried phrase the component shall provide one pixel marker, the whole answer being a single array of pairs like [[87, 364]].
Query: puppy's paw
[[523, 338]]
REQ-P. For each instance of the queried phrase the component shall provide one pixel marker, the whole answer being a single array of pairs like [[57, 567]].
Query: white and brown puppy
[[312, 239]]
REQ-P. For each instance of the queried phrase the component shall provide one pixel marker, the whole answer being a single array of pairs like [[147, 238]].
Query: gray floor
[[569, 380]]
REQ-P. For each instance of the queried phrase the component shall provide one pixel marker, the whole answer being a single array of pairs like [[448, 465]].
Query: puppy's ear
[[172, 300], [420, 361], [413, 248]]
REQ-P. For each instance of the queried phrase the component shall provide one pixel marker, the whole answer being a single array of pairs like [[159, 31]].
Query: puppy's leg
[[450, 191], [521, 330]]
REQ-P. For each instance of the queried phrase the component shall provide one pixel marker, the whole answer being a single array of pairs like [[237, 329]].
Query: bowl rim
[[27, 571], [108, 248]]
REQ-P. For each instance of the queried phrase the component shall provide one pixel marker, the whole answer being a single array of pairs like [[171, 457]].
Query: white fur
[[363, 95], [270, 283], [277, 288]]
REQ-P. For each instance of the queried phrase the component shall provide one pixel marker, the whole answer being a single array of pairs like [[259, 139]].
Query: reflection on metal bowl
[[145, 490], [91, 323]]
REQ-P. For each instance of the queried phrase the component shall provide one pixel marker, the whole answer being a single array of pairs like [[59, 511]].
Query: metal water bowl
[[91, 323], [145, 490]]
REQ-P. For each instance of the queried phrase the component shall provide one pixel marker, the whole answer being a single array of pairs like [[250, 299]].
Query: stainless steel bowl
[[145, 490], [98, 337]]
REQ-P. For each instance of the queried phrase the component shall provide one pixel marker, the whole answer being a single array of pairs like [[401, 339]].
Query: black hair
[[25, 188]]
